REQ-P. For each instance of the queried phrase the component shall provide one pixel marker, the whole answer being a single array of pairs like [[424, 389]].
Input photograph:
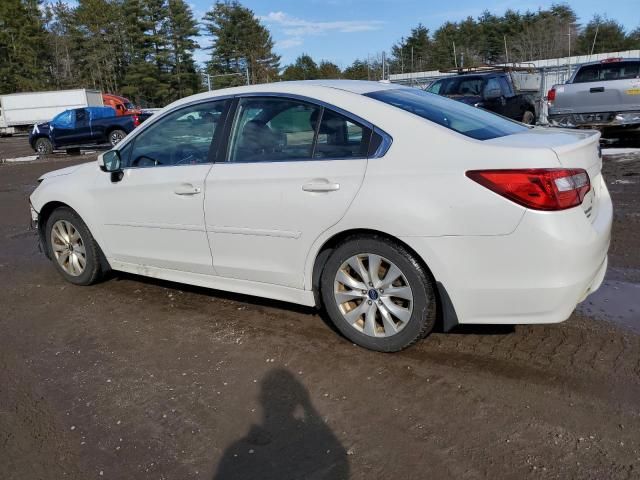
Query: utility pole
[[383, 61], [412, 68], [593, 46], [455, 55], [247, 72], [506, 51]]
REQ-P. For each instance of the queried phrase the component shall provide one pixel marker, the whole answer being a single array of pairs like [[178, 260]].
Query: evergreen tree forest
[[144, 49]]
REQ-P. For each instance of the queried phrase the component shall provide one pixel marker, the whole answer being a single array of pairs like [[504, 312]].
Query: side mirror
[[492, 93], [112, 164], [111, 161]]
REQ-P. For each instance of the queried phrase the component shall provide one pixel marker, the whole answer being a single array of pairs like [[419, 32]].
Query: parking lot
[[139, 378]]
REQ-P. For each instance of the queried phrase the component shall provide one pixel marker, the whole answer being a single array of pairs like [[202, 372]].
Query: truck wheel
[[116, 137], [529, 118], [44, 146]]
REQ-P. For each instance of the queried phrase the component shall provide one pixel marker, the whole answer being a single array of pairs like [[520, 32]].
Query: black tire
[[116, 136], [529, 118], [43, 146], [423, 314], [93, 270]]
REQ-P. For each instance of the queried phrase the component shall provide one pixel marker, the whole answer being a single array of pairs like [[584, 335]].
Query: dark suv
[[491, 91]]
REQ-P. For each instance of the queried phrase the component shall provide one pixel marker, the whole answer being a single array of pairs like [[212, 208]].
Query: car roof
[[610, 61], [295, 87]]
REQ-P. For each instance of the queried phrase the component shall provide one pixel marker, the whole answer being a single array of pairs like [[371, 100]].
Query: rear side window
[[274, 129], [608, 71], [469, 121]]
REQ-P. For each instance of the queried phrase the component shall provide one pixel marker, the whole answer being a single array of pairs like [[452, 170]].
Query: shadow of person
[[292, 443]]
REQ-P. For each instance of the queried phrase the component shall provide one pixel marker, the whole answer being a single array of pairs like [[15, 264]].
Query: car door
[[63, 128], [291, 171], [154, 215], [513, 103]]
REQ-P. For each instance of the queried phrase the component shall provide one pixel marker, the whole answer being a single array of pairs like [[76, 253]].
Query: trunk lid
[[574, 149]]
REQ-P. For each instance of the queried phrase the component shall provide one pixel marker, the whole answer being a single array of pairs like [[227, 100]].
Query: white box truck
[[20, 111]]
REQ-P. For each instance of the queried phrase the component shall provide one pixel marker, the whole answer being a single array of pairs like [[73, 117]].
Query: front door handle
[[596, 90], [187, 189], [321, 187]]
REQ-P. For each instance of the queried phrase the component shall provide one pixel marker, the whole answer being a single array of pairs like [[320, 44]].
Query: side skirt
[[246, 287]]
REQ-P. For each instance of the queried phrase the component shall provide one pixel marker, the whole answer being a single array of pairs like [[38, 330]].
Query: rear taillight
[[537, 188], [551, 95], [136, 120]]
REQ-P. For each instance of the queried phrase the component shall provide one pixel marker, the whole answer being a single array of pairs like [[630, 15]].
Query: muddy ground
[[136, 378]]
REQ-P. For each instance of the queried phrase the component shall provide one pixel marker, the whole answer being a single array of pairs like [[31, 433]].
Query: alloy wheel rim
[[68, 248], [373, 295], [116, 138]]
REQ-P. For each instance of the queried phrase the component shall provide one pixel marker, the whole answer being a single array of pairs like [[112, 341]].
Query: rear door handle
[[321, 187], [187, 189], [596, 90]]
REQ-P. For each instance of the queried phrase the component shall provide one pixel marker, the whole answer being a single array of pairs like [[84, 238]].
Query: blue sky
[[343, 30]]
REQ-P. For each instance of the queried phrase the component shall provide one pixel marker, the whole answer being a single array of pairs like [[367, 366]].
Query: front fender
[[73, 190]]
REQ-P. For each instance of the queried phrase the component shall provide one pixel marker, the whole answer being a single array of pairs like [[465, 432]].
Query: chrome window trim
[[385, 144], [381, 151]]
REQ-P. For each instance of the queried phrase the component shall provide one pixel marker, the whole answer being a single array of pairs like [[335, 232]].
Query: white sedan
[[392, 208]]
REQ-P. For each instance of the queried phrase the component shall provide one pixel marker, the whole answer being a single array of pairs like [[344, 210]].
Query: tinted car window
[[608, 71], [181, 138], [65, 119], [470, 121], [272, 129], [340, 137], [462, 85]]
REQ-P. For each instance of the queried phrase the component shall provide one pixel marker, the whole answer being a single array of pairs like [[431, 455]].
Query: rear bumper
[[595, 119], [537, 274]]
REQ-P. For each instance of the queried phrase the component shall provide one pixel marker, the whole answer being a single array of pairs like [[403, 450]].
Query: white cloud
[[297, 27], [289, 42]]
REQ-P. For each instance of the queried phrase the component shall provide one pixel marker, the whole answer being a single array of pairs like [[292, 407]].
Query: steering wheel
[[144, 161]]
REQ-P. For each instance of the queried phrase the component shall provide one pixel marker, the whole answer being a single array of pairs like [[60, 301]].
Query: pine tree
[[304, 68], [24, 57], [240, 42], [181, 29]]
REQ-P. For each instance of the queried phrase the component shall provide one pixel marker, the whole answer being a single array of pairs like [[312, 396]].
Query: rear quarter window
[[608, 71], [464, 119]]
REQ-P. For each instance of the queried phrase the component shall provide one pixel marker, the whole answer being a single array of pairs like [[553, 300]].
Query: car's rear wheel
[[116, 136], [44, 146], [72, 248], [378, 294], [529, 118]]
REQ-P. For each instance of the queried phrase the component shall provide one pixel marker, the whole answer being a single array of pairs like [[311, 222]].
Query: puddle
[[615, 301]]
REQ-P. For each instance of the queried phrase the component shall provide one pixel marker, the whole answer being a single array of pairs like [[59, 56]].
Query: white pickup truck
[[603, 95]]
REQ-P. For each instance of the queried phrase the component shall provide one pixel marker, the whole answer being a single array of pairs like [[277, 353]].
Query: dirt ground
[[137, 378]]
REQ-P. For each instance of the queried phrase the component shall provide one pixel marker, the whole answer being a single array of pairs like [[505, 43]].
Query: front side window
[[467, 120], [182, 137], [65, 119], [282, 129]]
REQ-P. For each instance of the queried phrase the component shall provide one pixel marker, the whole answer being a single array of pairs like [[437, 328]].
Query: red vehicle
[[121, 105]]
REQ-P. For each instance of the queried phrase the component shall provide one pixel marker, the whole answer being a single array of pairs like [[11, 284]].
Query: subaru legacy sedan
[[391, 208]]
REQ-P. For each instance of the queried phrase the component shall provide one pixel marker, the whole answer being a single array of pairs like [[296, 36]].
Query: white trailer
[[20, 111]]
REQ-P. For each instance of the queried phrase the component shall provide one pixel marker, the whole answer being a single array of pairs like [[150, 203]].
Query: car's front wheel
[[72, 248], [378, 294], [44, 146]]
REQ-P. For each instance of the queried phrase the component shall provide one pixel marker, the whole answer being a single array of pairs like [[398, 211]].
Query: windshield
[[470, 121], [458, 86]]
